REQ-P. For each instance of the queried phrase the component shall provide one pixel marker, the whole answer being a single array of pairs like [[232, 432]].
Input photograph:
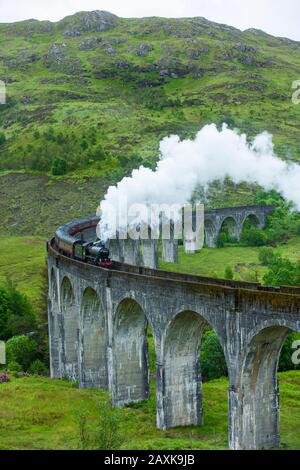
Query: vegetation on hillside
[[103, 91]]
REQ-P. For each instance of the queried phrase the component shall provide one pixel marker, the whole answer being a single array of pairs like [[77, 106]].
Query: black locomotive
[[78, 240]]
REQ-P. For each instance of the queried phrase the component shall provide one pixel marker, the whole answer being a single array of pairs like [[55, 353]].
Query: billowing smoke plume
[[213, 155]]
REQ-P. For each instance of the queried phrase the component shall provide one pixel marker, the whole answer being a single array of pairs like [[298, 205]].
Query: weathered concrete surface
[[170, 246], [170, 251], [98, 322], [130, 251], [150, 253]]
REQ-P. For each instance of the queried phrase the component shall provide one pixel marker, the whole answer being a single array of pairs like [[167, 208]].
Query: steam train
[[78, 240]]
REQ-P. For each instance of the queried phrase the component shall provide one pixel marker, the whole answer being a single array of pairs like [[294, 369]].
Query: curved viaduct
[[98, 320]]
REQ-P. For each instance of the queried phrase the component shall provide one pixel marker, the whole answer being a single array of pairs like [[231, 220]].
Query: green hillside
[[41, 424], [93, 94]]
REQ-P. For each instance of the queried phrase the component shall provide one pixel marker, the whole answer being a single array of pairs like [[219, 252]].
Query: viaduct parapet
[[98, 320]]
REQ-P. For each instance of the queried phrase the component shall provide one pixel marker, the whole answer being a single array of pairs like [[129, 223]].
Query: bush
[[266, 255], [2, 138], [38, 368], [59, 167], [105, 434], [16, 313], [282, 272], [229, 274], [22, 350], [254, 237], [213, 363], [14, 366], [4, 378], [221, 240]]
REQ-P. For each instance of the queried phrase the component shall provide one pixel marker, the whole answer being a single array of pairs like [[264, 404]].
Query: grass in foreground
[[40, 413]]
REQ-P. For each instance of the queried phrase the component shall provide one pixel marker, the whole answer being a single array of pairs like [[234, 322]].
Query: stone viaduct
[[235, 217], [98, 321], [145, 252]]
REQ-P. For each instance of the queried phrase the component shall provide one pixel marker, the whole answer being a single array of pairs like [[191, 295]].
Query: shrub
[[2, 138], [14, 366], [229, 274], [213, 363], [38, 368], [282, 272], [105, 435], [16, 313], [4, 378], [221, 240], [59, 167], [266, 255], [22, 350], [254, 237]]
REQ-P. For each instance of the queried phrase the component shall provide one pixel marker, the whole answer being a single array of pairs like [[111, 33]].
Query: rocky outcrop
[[56, 54], [144, 49], [245, 48], [83, 22], [196, 53], [57, 58], [22, 60]]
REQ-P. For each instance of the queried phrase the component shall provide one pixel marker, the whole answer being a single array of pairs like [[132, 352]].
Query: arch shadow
[[258, 391], [130, 352], [230, 228], [54, 328], [182, 379], [70, 329], [93, 342]]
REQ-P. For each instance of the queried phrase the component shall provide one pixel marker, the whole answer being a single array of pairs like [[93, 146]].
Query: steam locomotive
[[77, 240]]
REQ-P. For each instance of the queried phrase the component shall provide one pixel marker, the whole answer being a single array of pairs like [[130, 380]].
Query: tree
[[22, 350], [5, 312], [213, 363], [99, 153], [229, 274], [266, 255], [2, 138], [59, 167], [16, 313], [253, 236], [281, 272]]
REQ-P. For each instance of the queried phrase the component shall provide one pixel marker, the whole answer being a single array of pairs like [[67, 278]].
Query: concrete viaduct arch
[[215, 219], [104, 314]]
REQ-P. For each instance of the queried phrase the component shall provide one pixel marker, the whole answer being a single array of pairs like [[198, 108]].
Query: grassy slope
[[243, 260], [72, 100], [69, 97], [35, 204], [50, 409]]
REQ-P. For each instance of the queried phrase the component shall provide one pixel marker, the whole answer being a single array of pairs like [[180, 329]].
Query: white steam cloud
[[213, 155]]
